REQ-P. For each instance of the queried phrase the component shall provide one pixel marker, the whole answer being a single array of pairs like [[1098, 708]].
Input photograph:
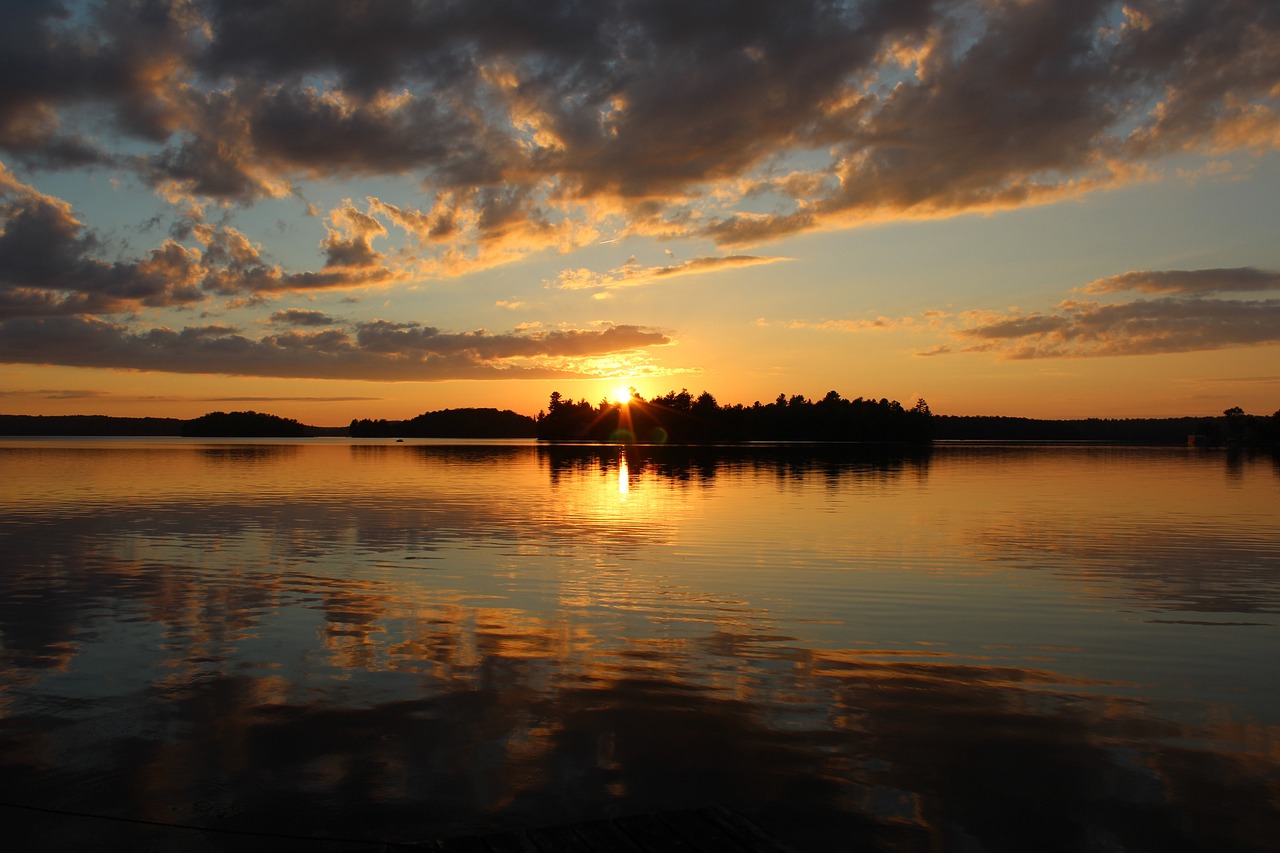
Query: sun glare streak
[[624, 476]]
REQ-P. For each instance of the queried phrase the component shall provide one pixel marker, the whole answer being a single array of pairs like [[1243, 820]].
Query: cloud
[[1266, 379], [50, 263], [79, 394], [56, 393], [47, 263], [878, 324], [233, 265], [1191, 319], [406, 338], [510, 129], [926, 320], [1143, 327], [633, 274], [379, 350], [277, 399], [1235, 280], [538, 124], [301, 317]]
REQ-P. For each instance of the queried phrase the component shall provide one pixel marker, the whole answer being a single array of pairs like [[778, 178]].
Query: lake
[[978, 648]]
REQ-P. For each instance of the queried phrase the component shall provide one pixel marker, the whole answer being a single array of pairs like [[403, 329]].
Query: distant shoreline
[[976, 428]]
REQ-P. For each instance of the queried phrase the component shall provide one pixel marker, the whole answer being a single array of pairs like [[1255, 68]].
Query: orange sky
[[1034, 209]]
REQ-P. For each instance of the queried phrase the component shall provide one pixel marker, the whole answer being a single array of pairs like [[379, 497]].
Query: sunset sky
[[327, 209]]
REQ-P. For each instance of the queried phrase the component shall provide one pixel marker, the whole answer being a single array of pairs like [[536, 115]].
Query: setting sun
[[621, 394]]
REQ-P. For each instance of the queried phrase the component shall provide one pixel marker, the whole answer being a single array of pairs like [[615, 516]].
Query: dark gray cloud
[[59, 56], [380, 350], [1143, 327], [929, 107], [1235, 280], [301, 317], [1191, 317], [56, 393], [407, 338], [523, 126], [51, 264], [48, 263]]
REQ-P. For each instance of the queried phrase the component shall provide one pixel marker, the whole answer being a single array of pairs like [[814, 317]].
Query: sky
[[335, 209]]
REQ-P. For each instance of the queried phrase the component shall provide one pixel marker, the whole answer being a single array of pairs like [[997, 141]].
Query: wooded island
[[678, 417]]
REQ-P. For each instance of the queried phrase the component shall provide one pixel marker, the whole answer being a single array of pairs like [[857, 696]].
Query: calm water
[[977, 648]]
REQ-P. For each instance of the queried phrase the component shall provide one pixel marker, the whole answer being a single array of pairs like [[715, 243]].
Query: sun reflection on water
[[392, 621]]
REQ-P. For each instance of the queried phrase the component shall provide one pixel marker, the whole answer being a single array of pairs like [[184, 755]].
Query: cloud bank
[[518, 128], [528, 124], [1192, 319], [634, 274], [378, 350], [1191, 316]]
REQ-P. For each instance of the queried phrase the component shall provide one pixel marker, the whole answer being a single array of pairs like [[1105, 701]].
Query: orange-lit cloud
[[1192, 319], [495, 134], [877, 324], [633, 274], [378, 350], [1143, 327], [1238, 280], [301, 317], [666, 115]]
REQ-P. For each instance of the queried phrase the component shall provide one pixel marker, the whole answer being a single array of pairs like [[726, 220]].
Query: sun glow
[[621, 394]]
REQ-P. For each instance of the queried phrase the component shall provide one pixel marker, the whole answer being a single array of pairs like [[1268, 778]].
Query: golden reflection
[[624, 475], [520, 664]]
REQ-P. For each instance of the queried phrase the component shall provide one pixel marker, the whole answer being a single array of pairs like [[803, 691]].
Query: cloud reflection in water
[[417, 641]]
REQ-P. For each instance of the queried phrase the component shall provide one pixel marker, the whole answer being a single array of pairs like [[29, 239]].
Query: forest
[[1233, 428], [243, 425], [681, 418], [448, 423]]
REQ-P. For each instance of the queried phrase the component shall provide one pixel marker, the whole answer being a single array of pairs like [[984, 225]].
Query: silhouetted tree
[[243, 425], [678, 417]]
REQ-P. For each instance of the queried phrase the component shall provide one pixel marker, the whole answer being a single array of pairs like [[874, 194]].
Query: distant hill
[[87, 425], [214, 424], [243, 425], [450, 423], [447, 423], [1141, 430], [1234, 427]]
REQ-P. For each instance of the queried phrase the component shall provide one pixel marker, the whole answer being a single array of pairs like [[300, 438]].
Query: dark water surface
[[974, 648]]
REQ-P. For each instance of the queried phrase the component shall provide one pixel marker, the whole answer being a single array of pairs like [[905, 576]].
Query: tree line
[[679, 417], [1233, 428], [449, 423], [243, 425]]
